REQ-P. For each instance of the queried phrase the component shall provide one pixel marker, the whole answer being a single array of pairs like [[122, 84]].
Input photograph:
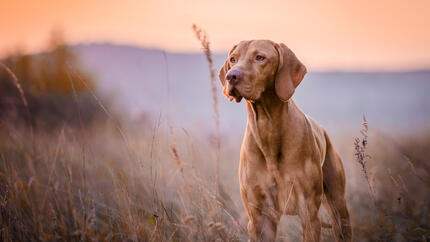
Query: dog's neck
[[268, 107], [267, 118]]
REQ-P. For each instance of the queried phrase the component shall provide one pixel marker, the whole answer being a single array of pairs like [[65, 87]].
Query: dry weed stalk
[[171, 132], [16, 83], [175, 154], [360, 146], [23, 98], [204, 40]]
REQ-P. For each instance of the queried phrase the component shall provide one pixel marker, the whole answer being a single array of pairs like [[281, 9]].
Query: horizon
[[174, 52]]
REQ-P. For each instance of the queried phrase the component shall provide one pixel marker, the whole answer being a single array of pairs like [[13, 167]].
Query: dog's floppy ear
[[289, 74], [226, 67]]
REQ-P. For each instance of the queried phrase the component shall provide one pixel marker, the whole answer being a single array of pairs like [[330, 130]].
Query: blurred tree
[[54, 67], [45, 80]]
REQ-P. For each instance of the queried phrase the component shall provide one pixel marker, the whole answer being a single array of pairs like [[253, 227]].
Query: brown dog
[[287, 162]]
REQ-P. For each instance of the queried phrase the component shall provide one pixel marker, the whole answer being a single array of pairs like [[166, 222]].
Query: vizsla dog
[[287, 163]]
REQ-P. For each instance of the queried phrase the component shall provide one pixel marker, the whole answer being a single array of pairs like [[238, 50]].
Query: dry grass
[[398, 206], [66, 190], [125, 181], [92, 185], [81, 186]]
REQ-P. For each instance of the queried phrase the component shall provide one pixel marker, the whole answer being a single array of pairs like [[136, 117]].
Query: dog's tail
[[334, 194]]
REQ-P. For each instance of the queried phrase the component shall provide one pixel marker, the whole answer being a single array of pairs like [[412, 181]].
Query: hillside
[[137, 78]]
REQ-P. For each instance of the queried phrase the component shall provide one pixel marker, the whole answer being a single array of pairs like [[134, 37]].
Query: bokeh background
[[108, 129]]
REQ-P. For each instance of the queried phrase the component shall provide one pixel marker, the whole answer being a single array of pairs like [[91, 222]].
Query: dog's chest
[[267, 132]]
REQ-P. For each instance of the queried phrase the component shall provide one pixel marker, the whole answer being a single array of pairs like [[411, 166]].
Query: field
[[73, 168], [144, 182]]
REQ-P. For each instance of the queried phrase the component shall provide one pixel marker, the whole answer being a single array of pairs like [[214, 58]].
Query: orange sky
[[331, 34]]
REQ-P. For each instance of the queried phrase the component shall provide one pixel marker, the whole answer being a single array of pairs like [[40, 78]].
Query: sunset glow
[[345, 35]]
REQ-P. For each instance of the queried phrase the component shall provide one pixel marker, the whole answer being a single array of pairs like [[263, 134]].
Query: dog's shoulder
[[319, 135]]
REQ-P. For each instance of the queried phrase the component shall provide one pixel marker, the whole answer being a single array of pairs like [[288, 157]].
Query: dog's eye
[[260, 58], [232, 60]]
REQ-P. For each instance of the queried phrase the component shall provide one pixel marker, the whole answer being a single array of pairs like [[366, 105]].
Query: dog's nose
[[233, 76]]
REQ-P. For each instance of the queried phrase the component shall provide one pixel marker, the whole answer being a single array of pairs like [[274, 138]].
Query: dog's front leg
[[263, 220], [308, 206], [260, 204], [310, 221]]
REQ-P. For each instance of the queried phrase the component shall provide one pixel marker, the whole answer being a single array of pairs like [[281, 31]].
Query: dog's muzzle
[[233, 77], [234, 93]]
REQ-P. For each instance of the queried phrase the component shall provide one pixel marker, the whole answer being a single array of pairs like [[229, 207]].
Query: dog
[[287, 163]]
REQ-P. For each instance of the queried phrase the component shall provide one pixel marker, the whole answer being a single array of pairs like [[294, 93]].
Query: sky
[[325, 35]]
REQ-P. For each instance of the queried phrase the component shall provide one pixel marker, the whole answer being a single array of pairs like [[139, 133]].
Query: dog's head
[[255, 66]]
